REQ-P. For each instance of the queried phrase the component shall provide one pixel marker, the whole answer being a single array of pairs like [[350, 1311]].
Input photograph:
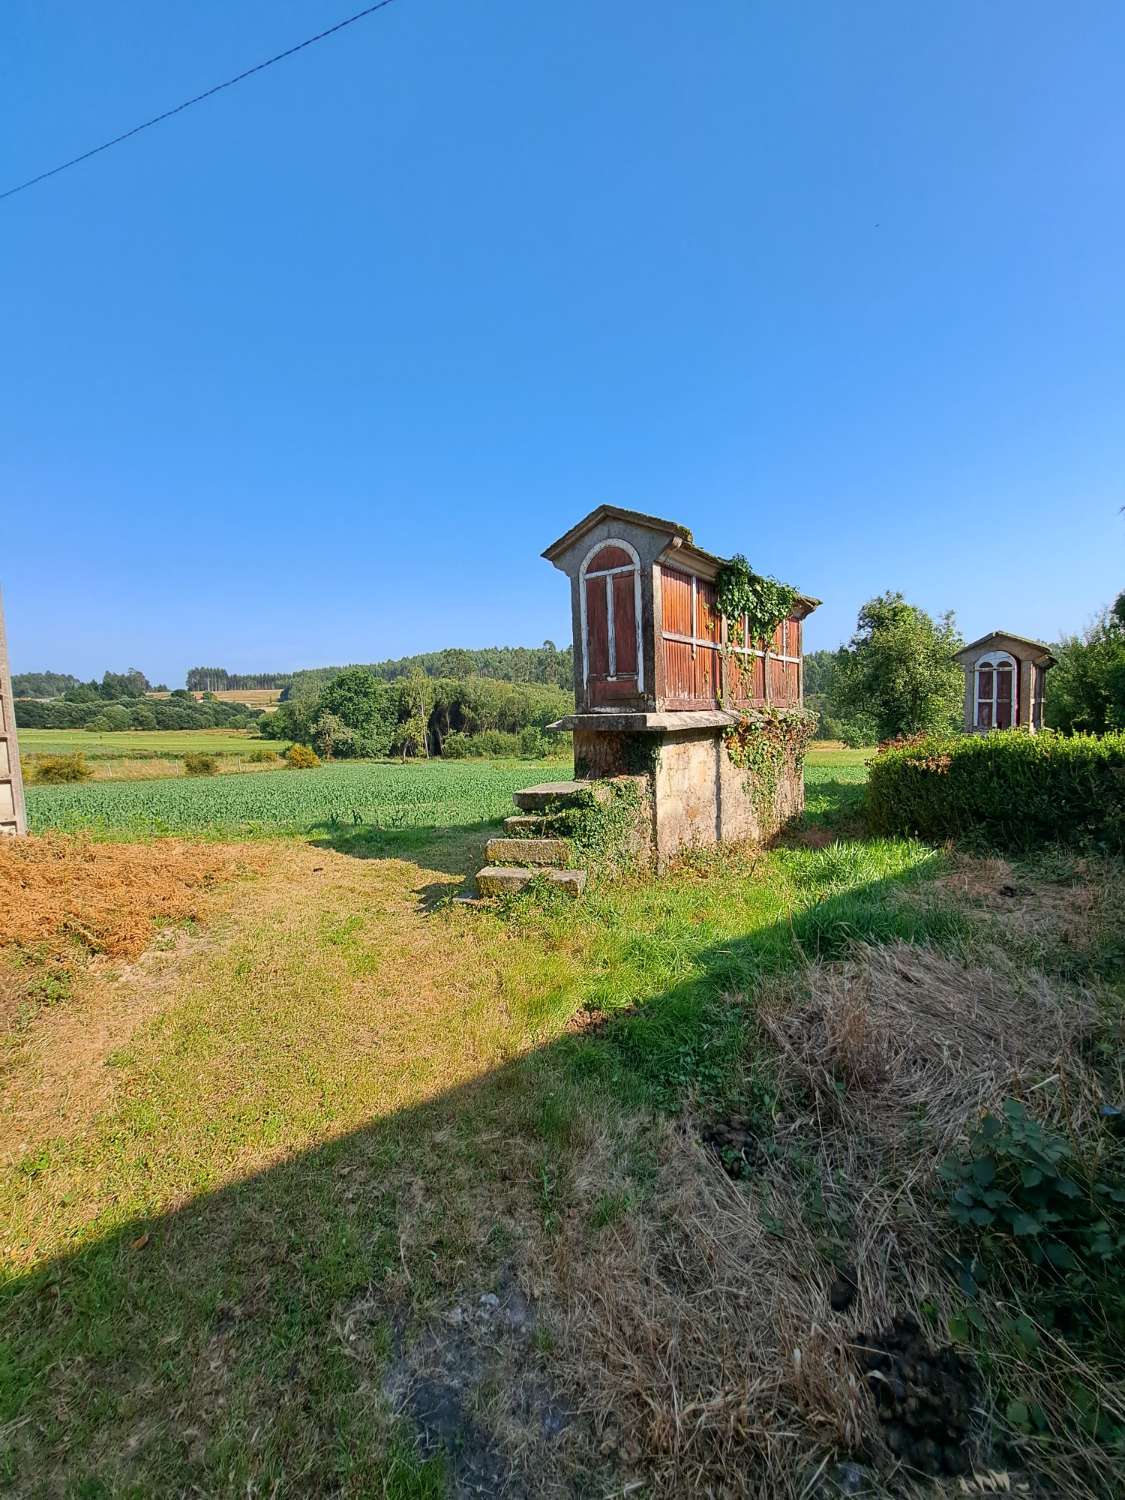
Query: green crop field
[[136, 742], [418, 795], [379, 795]]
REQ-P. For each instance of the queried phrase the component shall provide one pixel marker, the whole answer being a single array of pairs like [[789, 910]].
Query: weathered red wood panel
[[675, 591], [708, 626], [597, 628], [609, 557], [625, 623], [679, 671]]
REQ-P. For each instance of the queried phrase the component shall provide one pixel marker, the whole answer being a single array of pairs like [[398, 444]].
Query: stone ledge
[[661, 723]]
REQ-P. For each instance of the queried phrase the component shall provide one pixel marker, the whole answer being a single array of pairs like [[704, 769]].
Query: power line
[[207, 94]]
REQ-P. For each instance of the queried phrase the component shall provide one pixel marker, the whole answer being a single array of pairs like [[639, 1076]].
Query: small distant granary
[[657, 678], [1005, 681]]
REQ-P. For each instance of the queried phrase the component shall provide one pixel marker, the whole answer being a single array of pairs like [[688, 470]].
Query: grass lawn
[[339, 1189]]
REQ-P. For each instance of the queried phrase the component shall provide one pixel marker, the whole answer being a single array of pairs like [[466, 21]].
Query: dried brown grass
[[56, 891], [700, 1325]]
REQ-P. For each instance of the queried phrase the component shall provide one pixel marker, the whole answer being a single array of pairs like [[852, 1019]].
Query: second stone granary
[[1005, 682], [648, 637]]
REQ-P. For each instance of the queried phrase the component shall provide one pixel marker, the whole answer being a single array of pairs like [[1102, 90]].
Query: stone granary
[[1005, 679], [660, 677]]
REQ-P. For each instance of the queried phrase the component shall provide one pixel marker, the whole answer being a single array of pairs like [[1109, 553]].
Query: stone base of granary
[[697, 796]]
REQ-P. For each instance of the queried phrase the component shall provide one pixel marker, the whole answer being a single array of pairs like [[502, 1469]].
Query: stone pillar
[[13, 813]]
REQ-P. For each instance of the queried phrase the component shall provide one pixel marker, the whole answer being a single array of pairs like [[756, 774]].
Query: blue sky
[[314, 371]]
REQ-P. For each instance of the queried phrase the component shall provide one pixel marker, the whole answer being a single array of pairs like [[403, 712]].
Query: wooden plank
[[609, 557], [675, 590], [597, 629], [625, 624]]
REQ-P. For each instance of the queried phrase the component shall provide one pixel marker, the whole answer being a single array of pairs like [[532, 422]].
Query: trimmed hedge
[[1006, 789]]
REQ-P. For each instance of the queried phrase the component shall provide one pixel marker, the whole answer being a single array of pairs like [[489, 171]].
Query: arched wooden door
[[612, 664]]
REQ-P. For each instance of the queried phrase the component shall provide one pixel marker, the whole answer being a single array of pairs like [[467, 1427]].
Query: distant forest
[[530, 664]]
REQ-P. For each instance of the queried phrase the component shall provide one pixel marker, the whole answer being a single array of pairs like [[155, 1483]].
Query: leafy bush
[[201, 765], [53, 769], [533, 745], [301, 758], [261, 756], [1007, 789], [455, 746]]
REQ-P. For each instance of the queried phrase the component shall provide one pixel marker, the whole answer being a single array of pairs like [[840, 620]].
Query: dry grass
[[700, 1326], [56, 890]]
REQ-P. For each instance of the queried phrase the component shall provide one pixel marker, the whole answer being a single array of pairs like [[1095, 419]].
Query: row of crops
[[431, 794]]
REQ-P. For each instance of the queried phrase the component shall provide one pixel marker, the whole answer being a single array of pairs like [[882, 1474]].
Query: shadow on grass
[[249, 1341], [450, 850]]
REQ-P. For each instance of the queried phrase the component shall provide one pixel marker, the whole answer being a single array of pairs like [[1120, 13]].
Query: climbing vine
[[764, 602], [765, 742]]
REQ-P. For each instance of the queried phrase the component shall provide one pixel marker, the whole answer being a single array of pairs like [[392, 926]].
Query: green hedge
[[1006, 789]]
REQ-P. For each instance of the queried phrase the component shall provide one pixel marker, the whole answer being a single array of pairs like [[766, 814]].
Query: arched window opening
[[996, 695], [610, 599]]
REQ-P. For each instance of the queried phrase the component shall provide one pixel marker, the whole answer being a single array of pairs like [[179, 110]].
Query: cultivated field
[[137, 742], [266, 698], [384, 796], [321, 1185]]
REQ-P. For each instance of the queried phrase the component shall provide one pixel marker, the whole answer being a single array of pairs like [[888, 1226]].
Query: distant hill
[[544, 664]]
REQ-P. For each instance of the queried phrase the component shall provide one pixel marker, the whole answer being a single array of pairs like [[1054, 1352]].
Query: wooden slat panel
[[679, 671], [706, 673], [706, 615], [625, 623], [675, 592], [609, 557], [748, 679], [597, 628]]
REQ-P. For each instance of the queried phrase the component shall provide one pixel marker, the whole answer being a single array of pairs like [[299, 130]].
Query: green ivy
[[605, 832], [765, 742], [764, 601]]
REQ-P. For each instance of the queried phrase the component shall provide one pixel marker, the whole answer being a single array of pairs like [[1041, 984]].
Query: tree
[[1086, 686], [897, 675], [414, 714], [130, 684]]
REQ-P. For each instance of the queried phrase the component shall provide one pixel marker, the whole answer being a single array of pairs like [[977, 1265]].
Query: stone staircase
[[530, 848]]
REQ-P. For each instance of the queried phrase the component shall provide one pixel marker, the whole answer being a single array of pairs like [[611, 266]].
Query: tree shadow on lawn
[[252, 1340]]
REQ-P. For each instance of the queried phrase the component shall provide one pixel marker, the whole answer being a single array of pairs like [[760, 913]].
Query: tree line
[[178, 711], [546, 664], [357, 714], [113, 685]]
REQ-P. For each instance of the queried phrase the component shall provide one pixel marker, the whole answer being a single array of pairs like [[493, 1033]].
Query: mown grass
[[355, 1107]]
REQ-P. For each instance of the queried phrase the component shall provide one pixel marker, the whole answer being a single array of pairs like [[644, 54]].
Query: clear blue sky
[[312, 373]]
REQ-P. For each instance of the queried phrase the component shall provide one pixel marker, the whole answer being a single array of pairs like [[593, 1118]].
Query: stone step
[[525, 825], [527, 851], [552, 795], [494, 880]]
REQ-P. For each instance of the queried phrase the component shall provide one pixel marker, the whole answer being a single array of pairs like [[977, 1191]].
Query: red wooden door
[[610, 596]]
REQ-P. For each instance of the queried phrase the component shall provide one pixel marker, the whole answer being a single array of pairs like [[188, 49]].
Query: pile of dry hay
[[701, 1325], [57, 891]]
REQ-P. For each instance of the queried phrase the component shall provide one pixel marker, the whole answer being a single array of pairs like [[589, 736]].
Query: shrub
[[262, 756], [1027, 1192], [201, 765], [52, 769], [1006, 789], [301, 758], [533, 745], [455, 746]]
